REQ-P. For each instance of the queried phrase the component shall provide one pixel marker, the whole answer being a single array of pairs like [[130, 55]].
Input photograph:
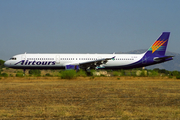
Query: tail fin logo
[[157, 44]]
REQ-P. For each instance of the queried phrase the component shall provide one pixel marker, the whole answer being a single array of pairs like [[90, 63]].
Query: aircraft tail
[[159, 46]]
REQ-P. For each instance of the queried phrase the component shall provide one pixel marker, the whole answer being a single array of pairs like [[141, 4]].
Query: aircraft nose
[[6, 64]]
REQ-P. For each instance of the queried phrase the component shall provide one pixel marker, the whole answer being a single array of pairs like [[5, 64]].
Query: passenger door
[[23, 57], [57, 59]]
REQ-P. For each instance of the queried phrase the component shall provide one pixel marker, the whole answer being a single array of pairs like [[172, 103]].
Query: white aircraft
[[155, 54]]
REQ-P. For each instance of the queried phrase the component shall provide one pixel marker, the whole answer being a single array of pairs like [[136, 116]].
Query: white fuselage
[[59, 61]]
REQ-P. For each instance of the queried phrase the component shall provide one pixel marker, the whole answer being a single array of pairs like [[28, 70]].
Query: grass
[[86, 98]]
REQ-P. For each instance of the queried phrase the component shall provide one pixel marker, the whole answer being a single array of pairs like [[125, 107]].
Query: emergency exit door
[[57, 59]]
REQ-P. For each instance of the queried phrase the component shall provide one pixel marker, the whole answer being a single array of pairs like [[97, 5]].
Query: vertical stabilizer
[[159, 46]]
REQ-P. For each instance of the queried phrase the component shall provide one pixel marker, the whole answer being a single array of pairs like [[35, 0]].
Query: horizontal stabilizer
[[163, 58]]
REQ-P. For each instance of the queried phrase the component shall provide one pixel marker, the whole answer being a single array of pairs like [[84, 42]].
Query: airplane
[[154, 55]]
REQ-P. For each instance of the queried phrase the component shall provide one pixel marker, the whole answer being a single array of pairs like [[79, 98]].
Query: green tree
[[2, 64], [122, 72], [19, 74], [35, 72], [68, 74], [156, 69], [81, 73], [175, 73], [153, 73], [4, 75], [48, 75]]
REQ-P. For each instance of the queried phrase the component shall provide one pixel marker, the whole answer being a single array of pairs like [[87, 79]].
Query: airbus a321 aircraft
[[154, 55]]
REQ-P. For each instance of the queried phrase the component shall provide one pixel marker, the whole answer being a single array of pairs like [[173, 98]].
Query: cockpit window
[[13, 58]]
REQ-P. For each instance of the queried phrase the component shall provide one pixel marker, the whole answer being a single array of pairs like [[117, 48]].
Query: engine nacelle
[[72, 67]]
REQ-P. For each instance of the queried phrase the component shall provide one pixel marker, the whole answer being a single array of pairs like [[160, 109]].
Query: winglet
[[113, 58]]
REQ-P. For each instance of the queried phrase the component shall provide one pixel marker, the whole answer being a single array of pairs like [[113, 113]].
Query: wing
[[94, 64]]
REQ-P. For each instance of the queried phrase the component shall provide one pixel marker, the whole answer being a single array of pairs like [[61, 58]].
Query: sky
[[86, 26]]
